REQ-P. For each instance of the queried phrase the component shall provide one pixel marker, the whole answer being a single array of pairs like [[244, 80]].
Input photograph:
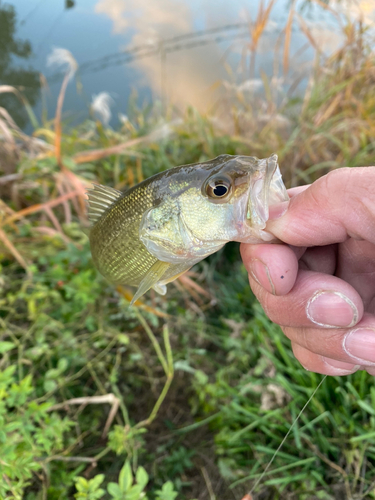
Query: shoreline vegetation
[[185, 396]]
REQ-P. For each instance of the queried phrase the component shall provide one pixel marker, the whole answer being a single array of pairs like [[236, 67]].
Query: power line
[[167, 46], [168, 41], [198, 43], [208, 31], [49, 32], [164, 43], [31, 12]]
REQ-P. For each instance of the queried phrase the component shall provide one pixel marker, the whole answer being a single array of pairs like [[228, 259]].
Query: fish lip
[[266, 189]]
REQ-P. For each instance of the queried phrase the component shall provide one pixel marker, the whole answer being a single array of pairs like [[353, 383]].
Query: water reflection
[[180, 50], [12, 74], [187, 72], [184, 70]]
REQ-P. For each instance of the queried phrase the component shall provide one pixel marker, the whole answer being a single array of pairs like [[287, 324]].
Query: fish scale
[[122, 260], [126, 260]]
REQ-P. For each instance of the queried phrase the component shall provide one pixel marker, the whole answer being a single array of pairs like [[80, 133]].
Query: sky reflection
[[189, 71]]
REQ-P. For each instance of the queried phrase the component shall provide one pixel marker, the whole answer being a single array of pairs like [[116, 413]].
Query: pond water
[[176, 50]]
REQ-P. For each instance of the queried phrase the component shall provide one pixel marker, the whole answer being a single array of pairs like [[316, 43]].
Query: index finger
[[336, 207]]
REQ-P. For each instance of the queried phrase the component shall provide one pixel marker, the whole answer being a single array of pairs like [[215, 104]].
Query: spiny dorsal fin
[[100, 198]]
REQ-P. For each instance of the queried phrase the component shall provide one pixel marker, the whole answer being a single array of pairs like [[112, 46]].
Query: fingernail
[[332, 310], [260, 272], [277, 210], [360, 344], [340, 367]]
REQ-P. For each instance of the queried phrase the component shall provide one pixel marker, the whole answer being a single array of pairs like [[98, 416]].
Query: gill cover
[[166, 235]]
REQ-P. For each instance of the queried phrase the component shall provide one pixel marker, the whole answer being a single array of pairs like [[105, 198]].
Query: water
[[174, 50]]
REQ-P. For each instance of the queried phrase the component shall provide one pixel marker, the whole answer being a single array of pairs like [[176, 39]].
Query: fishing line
[[286, 437]]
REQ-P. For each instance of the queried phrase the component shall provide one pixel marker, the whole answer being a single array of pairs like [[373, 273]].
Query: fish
[[153, 232]]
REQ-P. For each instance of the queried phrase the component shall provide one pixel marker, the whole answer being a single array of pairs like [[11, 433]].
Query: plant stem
[[154, 341], [167, 366]]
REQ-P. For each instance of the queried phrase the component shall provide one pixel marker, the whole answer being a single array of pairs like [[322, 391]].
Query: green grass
[[202, 385]]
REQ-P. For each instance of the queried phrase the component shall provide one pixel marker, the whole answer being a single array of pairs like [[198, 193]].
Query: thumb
[[336, 207]]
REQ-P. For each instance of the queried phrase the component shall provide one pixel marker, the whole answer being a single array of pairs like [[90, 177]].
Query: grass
[[186, 396]]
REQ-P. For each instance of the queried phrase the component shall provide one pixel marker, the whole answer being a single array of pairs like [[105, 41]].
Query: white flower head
[[62, 57], [101, 107], [251, 85], [123, 118], [277, 82], [164, 130]]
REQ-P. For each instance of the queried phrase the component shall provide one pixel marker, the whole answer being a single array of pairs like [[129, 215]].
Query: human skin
[[319, 285]]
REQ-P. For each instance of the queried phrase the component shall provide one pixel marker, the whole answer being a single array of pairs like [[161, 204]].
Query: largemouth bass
[[155, 231]]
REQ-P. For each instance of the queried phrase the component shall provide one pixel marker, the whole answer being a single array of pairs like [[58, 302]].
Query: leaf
[[97, 480], [62, 365], [49, 385], [123, 338], [141, 477], [6, 346], [125, 479], [167, 492], [89, 490], [114, 490], [81, 483], [365, 406], [135, 493]]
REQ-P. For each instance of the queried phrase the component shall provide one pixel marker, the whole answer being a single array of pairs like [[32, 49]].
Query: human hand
[[321, 288]]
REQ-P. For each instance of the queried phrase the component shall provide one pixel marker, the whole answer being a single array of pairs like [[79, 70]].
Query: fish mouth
[[266, 189]]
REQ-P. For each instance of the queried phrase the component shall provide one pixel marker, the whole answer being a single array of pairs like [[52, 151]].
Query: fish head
[[202, 207], [255, 186]]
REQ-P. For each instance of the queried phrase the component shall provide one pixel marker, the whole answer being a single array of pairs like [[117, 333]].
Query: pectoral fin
[[160, 289], [152, 277]]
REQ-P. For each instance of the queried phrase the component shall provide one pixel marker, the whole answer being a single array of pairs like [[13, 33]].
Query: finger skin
[[370, 370], [336, 213], [280, 262], [320, 259], [337, 206], [356, 265], [321, 364], [331, 344], [297, 190], [296, 309]]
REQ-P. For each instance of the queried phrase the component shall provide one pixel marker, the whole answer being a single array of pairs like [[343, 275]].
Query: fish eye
[[218, 188]]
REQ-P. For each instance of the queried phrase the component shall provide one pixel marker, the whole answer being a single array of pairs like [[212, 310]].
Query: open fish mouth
[[266, 189]]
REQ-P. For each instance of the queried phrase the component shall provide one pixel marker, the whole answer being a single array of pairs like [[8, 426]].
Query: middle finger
[[316, 300]]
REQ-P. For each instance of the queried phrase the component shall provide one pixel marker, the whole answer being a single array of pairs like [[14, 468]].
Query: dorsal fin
[[100, 198]]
